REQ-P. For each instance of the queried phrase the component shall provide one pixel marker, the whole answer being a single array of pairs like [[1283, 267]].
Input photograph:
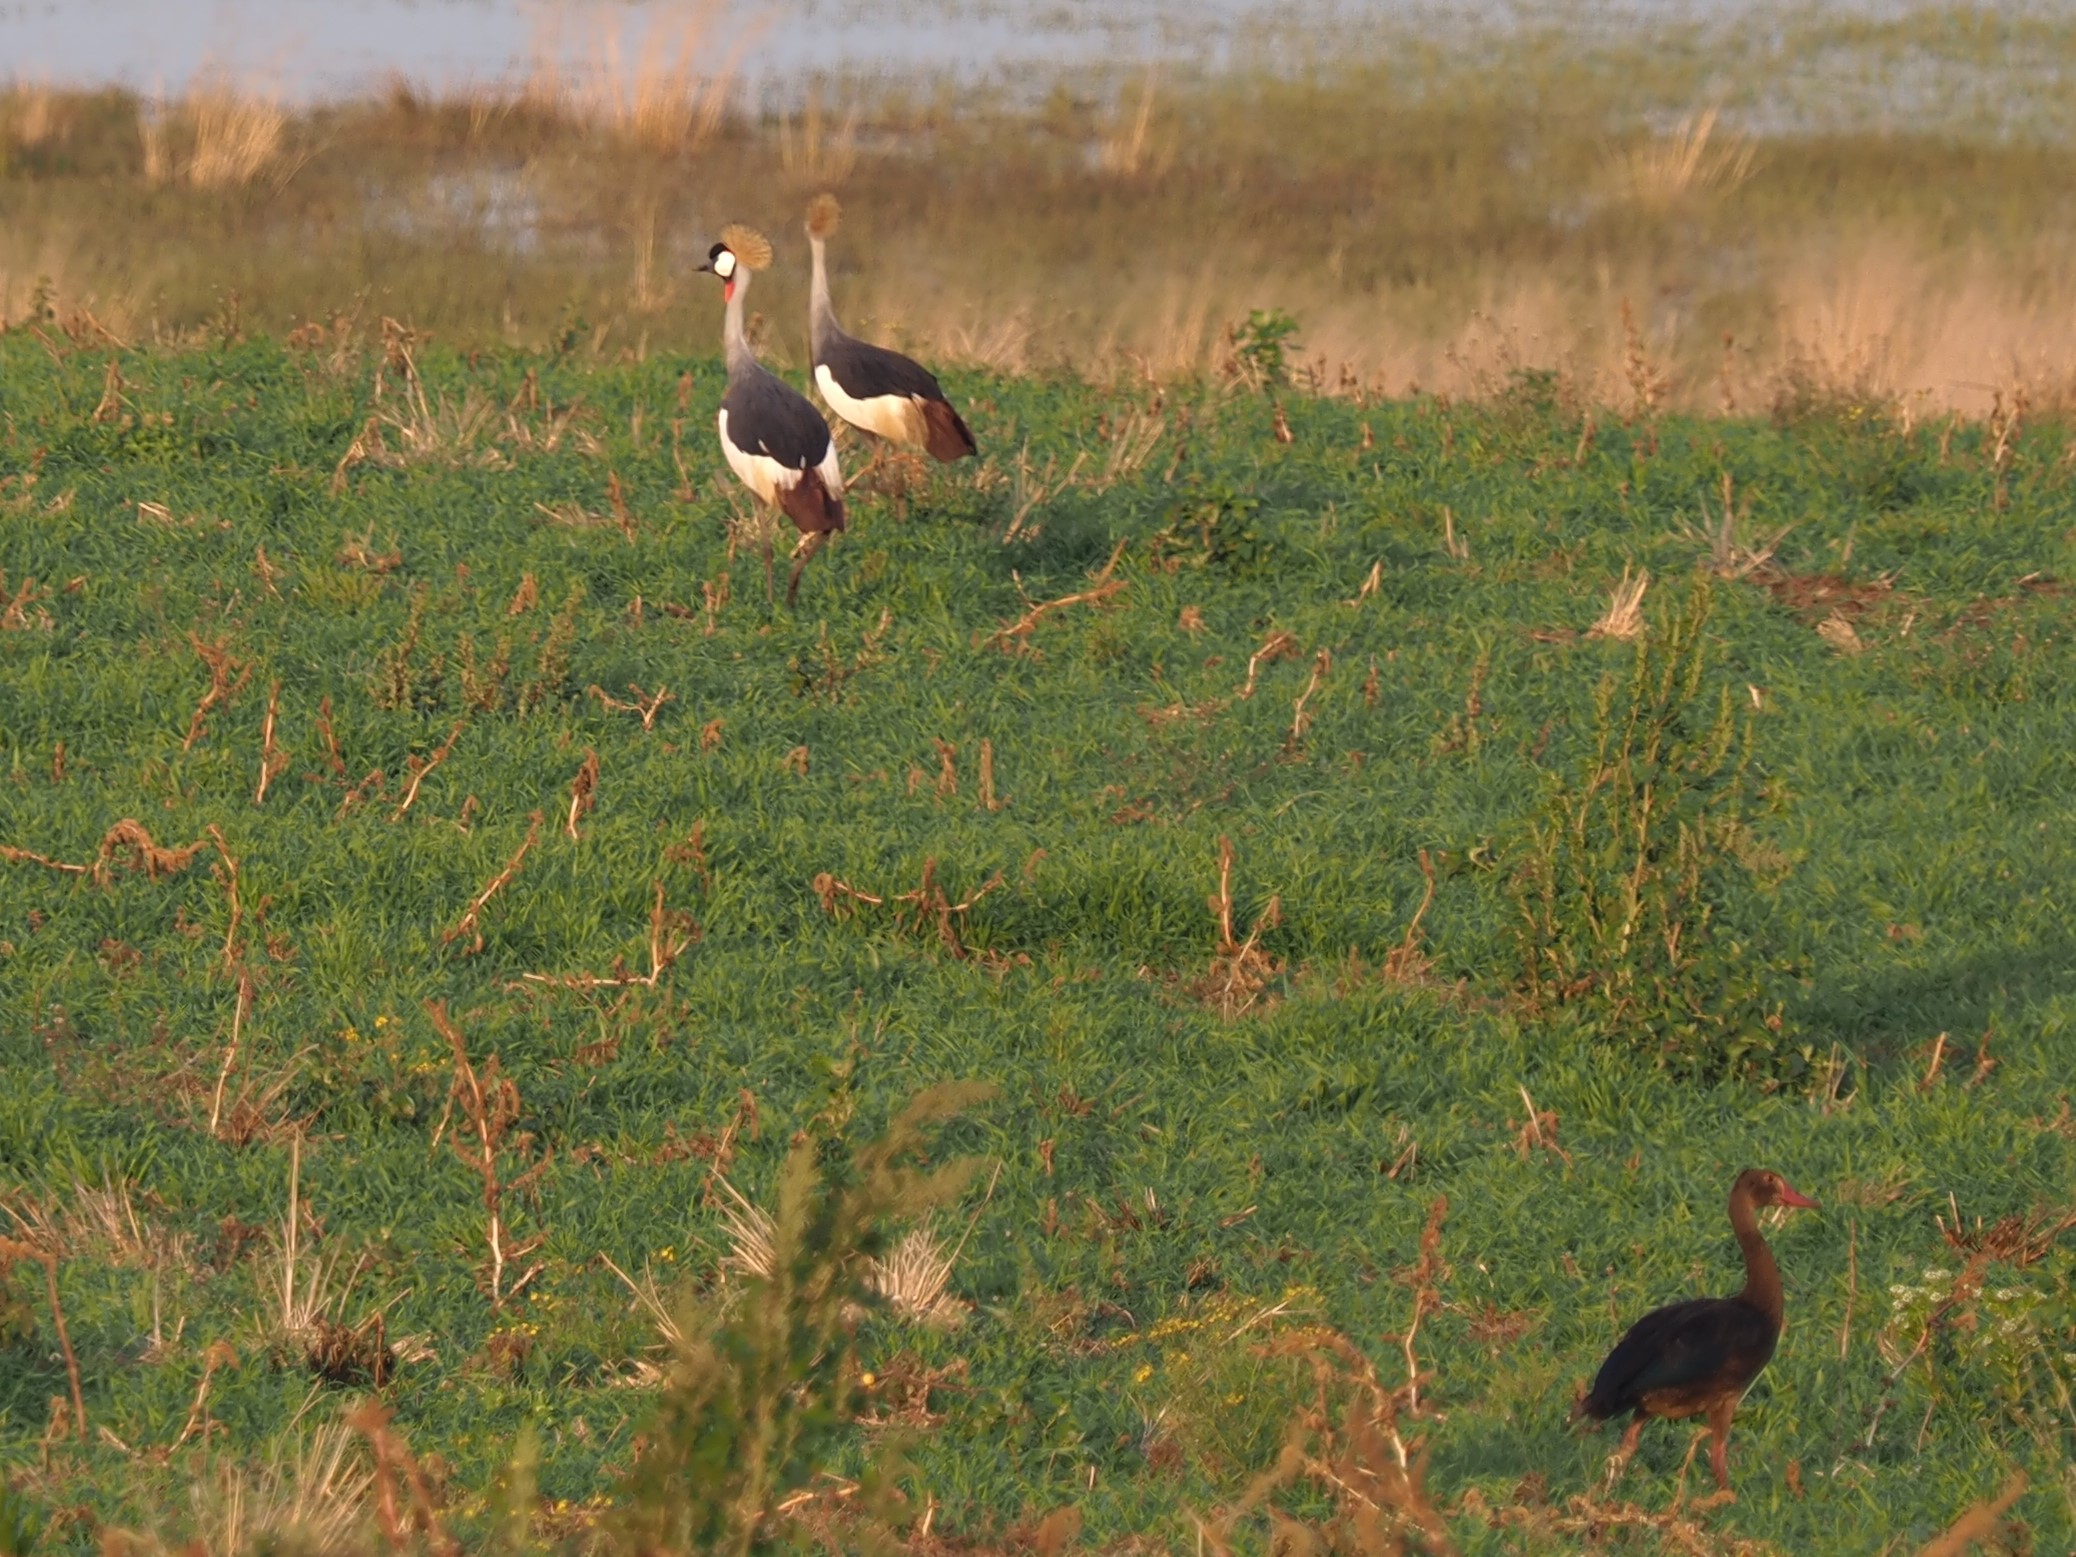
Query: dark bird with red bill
[[1698, 1358]]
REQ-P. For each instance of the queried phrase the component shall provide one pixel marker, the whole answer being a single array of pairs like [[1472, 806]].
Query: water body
[[314, 49]]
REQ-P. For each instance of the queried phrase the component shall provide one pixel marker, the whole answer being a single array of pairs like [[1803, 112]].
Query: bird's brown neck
[[1761, 1275]]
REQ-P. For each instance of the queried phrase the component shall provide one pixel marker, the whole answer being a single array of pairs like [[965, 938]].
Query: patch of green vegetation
[[299, 745]]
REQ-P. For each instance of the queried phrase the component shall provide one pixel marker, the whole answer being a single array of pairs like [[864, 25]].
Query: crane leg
[[810, 543]]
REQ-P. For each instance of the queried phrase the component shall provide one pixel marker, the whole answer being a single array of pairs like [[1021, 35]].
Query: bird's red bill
[[1790, 1196], [728, 290]]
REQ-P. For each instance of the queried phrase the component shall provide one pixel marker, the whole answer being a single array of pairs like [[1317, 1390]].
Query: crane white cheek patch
[[724, 265]]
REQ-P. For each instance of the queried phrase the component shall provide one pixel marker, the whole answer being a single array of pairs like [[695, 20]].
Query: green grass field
[[1179, 1184]]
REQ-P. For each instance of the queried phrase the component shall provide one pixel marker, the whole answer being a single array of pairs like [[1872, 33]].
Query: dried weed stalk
[[1102, 587], [414, 1520], [227, 678], [469, 923], [671, 932], [583, 792], [12, 1250], [1300, 720], [126, 843], [1407, 962], [1347, 1446], [273, 760], [646, 705], [1240, 970], [926, 906], [1980, 1523], [420, 767], [490, 1102]]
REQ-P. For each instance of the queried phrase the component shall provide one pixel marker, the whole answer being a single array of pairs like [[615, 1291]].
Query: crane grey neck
[[734, 339], [822, 328]]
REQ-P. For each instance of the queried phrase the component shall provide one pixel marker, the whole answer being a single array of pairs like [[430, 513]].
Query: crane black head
[[740, 249]]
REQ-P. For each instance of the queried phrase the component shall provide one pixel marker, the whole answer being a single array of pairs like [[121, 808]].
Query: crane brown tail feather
[[946, 435], [812, 507]]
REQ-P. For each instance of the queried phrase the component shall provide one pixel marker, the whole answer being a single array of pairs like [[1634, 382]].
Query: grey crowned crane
[[775, 441], [875, 390]]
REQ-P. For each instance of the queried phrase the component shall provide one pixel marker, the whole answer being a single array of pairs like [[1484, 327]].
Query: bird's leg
[[1719, 1442], [1619, 1461], [810, 543], [879, 449]]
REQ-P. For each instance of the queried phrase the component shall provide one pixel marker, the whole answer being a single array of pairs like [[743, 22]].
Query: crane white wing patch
[[895, 417], [758, 471]]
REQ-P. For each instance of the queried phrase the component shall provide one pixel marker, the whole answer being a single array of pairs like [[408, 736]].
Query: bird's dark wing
[[1679, 1347], [768, 416], [867, 372]]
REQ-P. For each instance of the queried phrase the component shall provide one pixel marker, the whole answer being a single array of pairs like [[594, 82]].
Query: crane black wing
[[866, 372], [1683, 1346], [768, 416]]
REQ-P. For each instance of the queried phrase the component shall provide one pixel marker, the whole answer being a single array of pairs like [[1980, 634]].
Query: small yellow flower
[[668, 1252], [382, 1021], [1144, 1373], [868, 1379]]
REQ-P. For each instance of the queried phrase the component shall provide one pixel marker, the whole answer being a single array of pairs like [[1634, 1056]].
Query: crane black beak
[[706, 265]]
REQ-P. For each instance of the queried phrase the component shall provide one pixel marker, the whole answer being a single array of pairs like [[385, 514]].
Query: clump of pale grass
[[218, 137], [1839, 632], [1130, 147], [752, 1234], [1623, 617], [304, 1296], [664, 98], [310, 1496], [100, 1219], [1730, 554], [913, 1278], [34, 115], [1691, 160], [809, 152], [237, 136]]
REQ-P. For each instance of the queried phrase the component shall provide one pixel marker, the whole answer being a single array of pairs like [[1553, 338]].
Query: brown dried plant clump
[[488, 1146], [127, 843], [1623, 617], [925, 907], [1351, 1445], [1240, 970]]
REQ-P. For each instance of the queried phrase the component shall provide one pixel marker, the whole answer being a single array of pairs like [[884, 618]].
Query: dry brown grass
[[1689, 161], [668, 92], [1397, 216], [1623, 617], [220, 137]]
